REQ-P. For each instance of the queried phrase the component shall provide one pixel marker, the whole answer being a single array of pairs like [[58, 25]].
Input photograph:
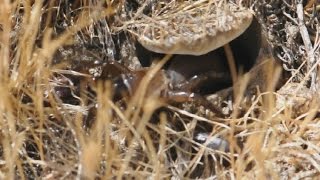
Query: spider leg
[[197, 81], [183, 96]]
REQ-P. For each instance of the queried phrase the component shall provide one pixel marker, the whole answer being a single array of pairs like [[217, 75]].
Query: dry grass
[[41, 136]]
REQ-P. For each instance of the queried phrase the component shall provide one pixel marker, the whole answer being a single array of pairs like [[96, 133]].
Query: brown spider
[[171, 85], [185, 77], [175, 84]]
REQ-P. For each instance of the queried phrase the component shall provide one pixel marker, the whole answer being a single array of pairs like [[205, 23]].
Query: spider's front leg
[[207, 82], [184, 96]]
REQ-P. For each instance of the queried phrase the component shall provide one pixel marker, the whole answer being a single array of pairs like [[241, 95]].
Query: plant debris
[[63, 117]]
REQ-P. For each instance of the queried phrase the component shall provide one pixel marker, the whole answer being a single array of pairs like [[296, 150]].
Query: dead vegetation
[[59, 120]]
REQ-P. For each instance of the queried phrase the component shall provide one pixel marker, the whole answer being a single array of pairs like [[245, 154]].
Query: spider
[[175, 84], [184, 78]]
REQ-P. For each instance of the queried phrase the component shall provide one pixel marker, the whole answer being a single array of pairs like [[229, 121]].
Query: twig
[[307, 43]]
